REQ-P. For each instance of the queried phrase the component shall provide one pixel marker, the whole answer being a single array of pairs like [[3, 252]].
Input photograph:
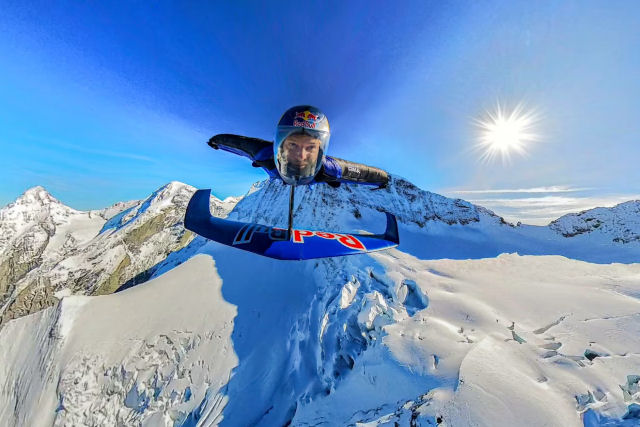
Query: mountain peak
[[38, 196], [35, 191], [171, 189], [619, 222], [173, 185]]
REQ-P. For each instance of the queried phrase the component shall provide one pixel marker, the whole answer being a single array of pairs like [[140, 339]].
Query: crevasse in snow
[[452, 327]]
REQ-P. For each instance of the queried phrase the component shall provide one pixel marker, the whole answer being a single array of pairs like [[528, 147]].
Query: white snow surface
[[452, 328], [145, 355]]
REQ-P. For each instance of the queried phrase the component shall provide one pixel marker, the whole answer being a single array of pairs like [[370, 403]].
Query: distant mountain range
[[48, 248], [121, 317]]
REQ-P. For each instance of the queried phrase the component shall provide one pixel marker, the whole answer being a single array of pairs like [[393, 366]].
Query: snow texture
[[452, 328], [47, 247]]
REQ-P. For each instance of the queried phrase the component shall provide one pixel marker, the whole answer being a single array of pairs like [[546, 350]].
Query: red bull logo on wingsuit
[[306, 119], [345, 239], [246, 233]]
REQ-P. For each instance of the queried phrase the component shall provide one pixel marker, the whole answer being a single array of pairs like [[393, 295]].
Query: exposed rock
[[620, 224], [46, 247]]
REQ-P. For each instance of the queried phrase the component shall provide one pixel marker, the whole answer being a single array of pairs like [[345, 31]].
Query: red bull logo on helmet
[[306, 119]]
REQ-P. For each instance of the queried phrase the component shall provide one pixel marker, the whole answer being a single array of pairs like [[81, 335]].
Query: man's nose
[[298, 153]]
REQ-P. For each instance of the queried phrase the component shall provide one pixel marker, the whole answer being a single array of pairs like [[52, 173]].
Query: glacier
[[470, 321]]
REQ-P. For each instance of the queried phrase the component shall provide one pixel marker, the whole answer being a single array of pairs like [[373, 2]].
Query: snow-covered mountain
[[34, 228], [48, 248], [433, 226], [218, 336], [620, 224]]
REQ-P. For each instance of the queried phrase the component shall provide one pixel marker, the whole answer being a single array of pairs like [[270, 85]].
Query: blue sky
[[106, 101]]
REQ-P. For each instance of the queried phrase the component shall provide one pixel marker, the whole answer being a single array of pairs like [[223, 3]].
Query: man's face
[[301, 151]]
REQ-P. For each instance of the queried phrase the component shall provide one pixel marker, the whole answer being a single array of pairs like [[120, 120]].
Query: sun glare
[[503, 132]]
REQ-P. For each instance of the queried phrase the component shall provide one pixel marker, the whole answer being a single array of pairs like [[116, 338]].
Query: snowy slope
[[219, 336], [378, 340], [49, 248], [52, 249], [434, 227], [502, 341], [115, 359]]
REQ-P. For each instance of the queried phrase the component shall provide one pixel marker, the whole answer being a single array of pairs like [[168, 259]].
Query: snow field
[[512, 340], [513, 331], [381, 339], [145, 356]]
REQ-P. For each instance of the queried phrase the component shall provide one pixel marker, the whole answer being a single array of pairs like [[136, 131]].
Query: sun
[[503, 132]]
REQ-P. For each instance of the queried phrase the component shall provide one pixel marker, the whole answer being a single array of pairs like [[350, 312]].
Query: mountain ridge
[[210, 335], [43, 239], [52, 248], [624, 216]]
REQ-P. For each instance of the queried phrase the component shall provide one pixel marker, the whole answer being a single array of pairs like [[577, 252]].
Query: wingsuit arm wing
[[335, 170], [258, 150]]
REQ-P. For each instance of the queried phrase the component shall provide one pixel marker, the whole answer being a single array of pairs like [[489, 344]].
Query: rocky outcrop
[[324, 206], [48, 247], [620, 224]]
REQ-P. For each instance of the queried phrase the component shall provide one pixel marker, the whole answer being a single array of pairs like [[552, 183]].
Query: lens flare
[[503, 132]]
